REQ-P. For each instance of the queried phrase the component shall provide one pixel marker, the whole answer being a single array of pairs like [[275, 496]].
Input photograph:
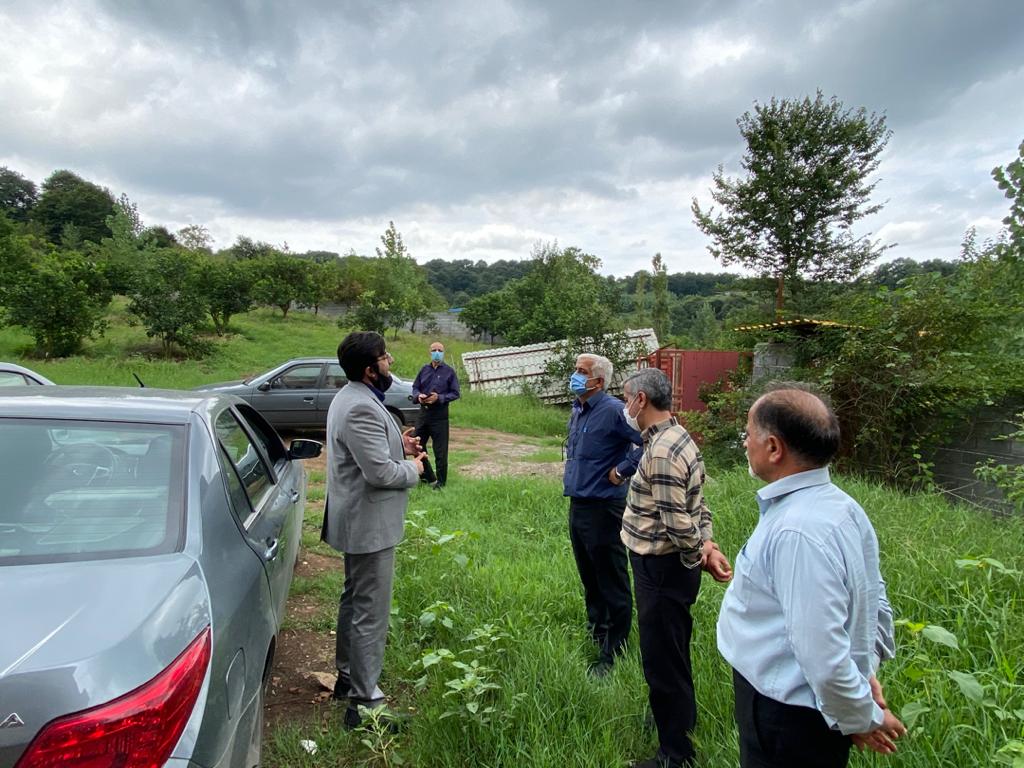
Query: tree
[[227, 287], [640, 298], [18, 195], [1010, 180], [157, 237], [397, 291], [195, 237], [280, 280], [61, 299], [705, 329], [168, 298], [122, 252], [807, 165], [68, 200], [562, 296], [660, 290]]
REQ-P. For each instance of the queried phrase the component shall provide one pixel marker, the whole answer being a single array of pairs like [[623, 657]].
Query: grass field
[[489, 649], [488, 643]]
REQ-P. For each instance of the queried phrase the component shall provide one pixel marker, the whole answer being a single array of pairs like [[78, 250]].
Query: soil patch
[[500, 454]]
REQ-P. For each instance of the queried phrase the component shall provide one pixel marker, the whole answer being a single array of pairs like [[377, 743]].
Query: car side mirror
[[302, 448], [264, 387]]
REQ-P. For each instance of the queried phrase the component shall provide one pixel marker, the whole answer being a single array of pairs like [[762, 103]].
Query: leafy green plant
[[379, 739]]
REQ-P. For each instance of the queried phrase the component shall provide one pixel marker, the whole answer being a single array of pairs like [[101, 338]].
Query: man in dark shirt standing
[[435, 387], [602, 450]]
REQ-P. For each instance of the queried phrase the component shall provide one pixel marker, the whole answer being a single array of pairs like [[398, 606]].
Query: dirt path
[[304, 661]]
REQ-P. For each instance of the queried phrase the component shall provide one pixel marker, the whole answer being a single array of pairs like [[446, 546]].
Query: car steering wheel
[[83, 465]]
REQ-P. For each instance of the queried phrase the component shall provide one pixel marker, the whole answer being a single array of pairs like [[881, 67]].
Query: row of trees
[[60, 268]]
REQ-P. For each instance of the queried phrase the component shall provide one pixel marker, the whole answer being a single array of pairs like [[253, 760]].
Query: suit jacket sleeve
[[372, 451]]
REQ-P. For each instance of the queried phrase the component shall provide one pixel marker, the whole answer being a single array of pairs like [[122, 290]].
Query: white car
[[12, 375]]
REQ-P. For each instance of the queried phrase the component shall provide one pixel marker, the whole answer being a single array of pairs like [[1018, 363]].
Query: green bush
[[60, 298]]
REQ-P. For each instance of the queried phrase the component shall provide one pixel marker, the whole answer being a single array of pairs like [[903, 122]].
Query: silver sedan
[[147, 541], [297, 394]]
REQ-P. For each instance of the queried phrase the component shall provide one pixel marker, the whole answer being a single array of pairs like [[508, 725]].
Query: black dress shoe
[[600, 668], [437, 486]]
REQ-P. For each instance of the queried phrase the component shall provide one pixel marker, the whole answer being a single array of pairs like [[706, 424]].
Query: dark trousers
[[773, 734], [594, 526], [436, 430], [665, 590]]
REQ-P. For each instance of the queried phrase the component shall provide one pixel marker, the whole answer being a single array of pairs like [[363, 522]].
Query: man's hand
[[418, 462], [411, 443], [876, 692], [714, 562], [422, 398], [614, 477], [431, 398], [882, 739]]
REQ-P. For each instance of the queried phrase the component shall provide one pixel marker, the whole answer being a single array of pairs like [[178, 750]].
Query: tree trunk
[[778, 298]]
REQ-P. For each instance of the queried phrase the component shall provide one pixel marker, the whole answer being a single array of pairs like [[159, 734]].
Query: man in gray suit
[[368, 482]]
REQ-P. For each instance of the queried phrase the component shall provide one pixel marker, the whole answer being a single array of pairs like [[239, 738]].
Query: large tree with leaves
[[808, 163], [70, 203], [18, 195], [562, 296]]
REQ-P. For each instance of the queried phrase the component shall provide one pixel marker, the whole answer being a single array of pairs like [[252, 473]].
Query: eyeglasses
[[387, 356]]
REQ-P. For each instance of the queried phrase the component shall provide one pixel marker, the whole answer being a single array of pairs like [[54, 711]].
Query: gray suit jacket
[[368, 478]]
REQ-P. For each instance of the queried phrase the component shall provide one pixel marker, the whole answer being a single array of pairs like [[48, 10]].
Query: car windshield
[[77, 490]]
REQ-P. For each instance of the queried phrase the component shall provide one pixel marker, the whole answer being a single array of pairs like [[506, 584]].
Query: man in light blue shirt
[[805, 622]]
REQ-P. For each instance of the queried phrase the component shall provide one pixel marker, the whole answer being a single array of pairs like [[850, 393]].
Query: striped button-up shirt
[[665, 510]]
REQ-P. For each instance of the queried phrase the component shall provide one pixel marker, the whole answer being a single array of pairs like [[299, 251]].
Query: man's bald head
[[802, 420]]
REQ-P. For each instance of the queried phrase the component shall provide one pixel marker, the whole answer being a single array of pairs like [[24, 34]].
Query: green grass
[[508, 564], [519, 414], [508, 567], [258, 340]]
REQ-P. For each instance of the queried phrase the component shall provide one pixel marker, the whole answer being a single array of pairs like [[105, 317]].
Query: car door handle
[[294, 494], [273, 545], [308, 399]]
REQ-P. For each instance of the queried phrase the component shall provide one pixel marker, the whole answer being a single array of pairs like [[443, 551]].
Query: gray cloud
[[599, 120]]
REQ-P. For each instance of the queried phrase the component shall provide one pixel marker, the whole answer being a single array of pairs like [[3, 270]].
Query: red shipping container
[[689, 370]]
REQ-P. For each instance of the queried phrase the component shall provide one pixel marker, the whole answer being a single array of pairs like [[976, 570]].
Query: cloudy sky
[[483, 127]]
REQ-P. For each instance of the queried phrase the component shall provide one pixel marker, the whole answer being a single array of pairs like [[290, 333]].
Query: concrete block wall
[[773, 360], [954, 463]]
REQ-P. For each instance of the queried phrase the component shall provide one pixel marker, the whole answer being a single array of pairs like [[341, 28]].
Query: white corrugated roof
[[507, 370]]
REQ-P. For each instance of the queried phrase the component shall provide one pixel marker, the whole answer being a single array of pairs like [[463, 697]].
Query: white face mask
[[631, 420]]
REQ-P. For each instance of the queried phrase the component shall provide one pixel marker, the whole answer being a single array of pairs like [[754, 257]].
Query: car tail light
[[137, 730]]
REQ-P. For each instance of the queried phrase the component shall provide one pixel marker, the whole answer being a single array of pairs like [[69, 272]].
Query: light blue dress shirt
[[806, 619]]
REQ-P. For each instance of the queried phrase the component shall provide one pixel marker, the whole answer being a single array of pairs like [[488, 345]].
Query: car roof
[[15, 368], [334, 360], [158, 406]]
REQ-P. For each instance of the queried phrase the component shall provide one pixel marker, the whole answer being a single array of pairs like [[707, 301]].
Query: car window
[[298, 377], [245, 459], [12, 379], [336, 378], [264, 434], [89, 490]]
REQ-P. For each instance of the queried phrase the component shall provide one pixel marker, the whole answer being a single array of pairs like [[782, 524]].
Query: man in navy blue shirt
[[435, 387], [602, 451]]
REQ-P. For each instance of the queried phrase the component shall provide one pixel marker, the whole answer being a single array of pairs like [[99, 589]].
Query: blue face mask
[[437, 355], [578, 384]]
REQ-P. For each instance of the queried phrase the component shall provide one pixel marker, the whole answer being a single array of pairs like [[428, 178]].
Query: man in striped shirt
[[667, 530]]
